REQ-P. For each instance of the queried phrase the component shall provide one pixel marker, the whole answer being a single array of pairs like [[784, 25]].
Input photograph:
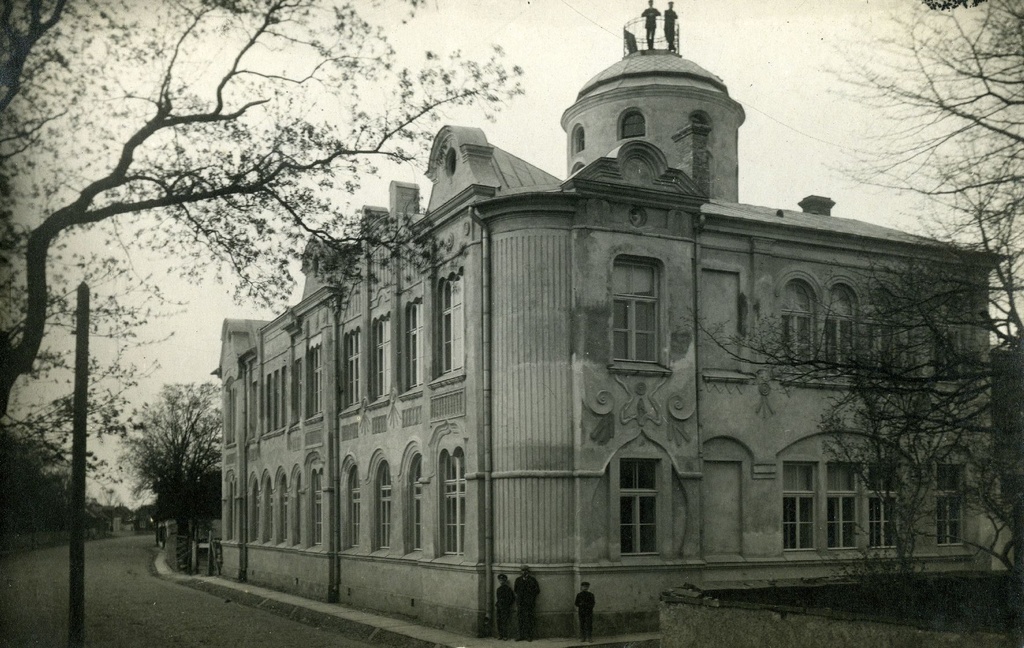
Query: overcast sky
[[779, 60]]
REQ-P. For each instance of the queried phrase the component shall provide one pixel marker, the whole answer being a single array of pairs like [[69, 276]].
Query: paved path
[[134, 599], [128, 606]]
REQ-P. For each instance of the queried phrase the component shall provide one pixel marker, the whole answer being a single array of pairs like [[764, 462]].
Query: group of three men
[[650, 16], [524, 596]]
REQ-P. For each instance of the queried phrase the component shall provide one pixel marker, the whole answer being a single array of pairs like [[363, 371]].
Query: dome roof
[[667, 67]]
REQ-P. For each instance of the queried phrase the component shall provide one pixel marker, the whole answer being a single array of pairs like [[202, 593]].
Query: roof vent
[[819, 205]]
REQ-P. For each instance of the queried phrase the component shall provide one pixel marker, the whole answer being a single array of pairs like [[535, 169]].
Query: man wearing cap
[[585, 606], [650, 16], [506, 598], [670, 27], [527, 590]]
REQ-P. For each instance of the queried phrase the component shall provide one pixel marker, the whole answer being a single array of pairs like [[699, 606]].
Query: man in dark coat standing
[[527, 590], [505, 599], [650, 16], [585, 606]]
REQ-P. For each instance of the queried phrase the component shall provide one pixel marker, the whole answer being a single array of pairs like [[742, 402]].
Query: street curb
[[350, 628]]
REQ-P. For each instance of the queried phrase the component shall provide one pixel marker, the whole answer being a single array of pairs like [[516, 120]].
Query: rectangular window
[[314, 380], [380, 371], [798, 506], [229, 419], [948, 504], [838, 339], [881, 507], [454, 511], [841, 505], [352, 367], [635, 312], [384, 509], [638, 506], [413, 344], [450, 324], [296, 390]]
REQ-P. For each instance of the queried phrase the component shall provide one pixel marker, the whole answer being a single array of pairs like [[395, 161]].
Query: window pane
[[648, 541], [645, 474], [647, 510], [840, 477], [620, 314], [621, 341], [620, 279], [642, 280], [626, 510], [645, 319], [644, 347]]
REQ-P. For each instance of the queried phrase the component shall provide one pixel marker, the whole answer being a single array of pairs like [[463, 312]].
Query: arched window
[[316, 477], [416, 504], [254, 510], [267, 523], [297, 518], [383, 506], [579, 141], [353, 507], [633, 125], [796, 320], [282, 509], [453, 514], [839, 325], [450, 324], [229, 510]]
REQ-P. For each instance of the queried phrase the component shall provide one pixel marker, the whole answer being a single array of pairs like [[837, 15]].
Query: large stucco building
[[544, 395]]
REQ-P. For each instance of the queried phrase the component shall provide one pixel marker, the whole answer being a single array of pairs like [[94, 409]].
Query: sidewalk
[[368, 627]]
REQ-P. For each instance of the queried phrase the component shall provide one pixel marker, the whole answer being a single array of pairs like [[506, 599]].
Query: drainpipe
[[243, 479], [485, 352], [698, 261], [330, 396]]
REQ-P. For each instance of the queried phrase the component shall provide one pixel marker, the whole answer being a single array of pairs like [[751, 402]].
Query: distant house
[[544, 395]]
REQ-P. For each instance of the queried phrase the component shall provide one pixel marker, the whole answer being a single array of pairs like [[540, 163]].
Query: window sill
[[638, 369], [316, 418], [413, 393], [450, 378], [726, 376]]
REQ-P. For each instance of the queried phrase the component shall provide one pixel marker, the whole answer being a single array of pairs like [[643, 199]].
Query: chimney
[[404, 199], [819, 205]]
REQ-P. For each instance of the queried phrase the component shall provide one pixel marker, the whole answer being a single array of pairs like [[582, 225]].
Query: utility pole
[[76, 578]]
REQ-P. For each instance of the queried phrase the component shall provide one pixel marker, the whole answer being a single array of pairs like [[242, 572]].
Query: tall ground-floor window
[[638, 504], [353, 508], [454, 512], [841, 503], [383, 507], [798, 506], [416, 497], [948, 510], [297, 517], [316, 485]]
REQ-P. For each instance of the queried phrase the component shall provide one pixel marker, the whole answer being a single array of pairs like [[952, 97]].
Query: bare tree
[[951, 90], [224, 133], [174, 451]]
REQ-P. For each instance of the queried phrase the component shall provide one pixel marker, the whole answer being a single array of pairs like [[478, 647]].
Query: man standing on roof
[[651, 24], [670, 27]]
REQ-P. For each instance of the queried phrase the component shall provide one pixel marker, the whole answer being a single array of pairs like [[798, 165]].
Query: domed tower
[[658, 96]]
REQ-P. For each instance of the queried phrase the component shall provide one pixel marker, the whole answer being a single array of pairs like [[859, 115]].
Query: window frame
[[633, 303], [413, 344], [798, 322], [450, 334], [384, 492], [840, 507], [638, 128], [380, 357], [281, 530], [640, 498], [314, 379], [416, 503], [840, 330], [881, 502], [354, 507], [579, 139], [351, 350], [949, 509], [453, 502], [316, 508], [798, 507]]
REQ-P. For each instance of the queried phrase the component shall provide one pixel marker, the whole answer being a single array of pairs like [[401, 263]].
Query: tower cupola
[[656, 95]]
